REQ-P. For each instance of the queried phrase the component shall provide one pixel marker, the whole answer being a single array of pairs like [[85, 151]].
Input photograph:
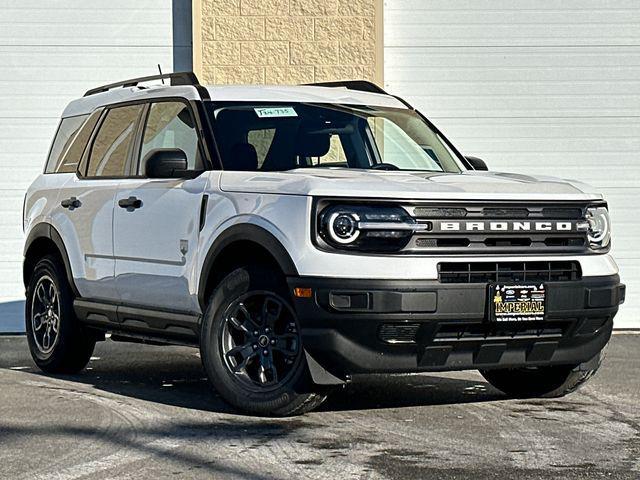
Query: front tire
[[251, 346], [544, 382], [57, 341]]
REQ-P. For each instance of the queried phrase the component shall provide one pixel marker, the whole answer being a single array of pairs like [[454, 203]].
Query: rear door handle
[[71, 203], [130, 203]]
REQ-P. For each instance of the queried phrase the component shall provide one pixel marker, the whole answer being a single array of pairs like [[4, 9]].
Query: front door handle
[[71, 203], [130, 203]]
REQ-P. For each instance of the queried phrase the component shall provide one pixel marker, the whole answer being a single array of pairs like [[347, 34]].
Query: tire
[[272, 379], [57, 340], [543, 382]]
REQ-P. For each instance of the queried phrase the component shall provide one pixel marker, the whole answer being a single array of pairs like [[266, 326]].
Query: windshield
[[258, 137]]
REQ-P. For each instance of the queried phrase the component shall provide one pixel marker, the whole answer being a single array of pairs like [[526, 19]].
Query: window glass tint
[[286, 137], [335, 157], [261, 141], [110, 151], [170, 125], [66, 133], [398, 148], [73, 155]]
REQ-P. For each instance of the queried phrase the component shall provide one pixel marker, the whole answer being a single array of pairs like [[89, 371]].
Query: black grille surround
[[497, 272], [497, 228], [500, 228]]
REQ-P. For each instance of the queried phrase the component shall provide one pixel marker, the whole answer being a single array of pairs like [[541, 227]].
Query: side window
[[170, 125], [111, 147], [65, 135], [73, 155]]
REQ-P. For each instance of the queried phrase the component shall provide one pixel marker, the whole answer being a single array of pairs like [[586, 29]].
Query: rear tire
[[251, 348], [544, 382], [58, 342]]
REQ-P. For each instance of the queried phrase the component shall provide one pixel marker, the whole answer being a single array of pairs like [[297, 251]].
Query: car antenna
[[160, 70]]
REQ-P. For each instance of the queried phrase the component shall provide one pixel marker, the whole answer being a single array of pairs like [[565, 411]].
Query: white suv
[[301, 235]]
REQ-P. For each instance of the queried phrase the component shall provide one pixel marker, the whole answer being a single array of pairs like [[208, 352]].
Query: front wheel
[[547, 382], [251, 346]]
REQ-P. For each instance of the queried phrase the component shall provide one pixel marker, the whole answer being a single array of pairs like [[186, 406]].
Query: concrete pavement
[[147, 412]]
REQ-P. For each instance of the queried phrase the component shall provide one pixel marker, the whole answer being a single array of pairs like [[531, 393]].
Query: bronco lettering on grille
[[506, 226]]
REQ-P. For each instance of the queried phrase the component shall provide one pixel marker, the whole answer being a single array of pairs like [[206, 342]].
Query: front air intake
[[485, 272], [398, 332]]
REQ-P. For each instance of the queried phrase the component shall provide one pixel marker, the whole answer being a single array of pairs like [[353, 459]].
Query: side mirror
[[477, 163], [166, 163]]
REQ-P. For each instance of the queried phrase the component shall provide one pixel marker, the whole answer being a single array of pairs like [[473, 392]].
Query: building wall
[[287, 41], [542, 88], [51, 52]]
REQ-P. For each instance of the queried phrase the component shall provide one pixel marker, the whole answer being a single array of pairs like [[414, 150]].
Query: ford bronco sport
[[301, 235]]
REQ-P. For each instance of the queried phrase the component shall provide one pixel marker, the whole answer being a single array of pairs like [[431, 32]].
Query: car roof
[[234, 93]]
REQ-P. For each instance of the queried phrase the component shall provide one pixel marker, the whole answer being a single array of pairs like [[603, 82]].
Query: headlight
[[598, 227], [367, 228]]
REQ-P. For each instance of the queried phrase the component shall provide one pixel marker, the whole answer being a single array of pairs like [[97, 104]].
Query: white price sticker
[[273, 112]]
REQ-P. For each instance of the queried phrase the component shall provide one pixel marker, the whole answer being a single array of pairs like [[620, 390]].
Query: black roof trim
[[360, 85], [177, 78]]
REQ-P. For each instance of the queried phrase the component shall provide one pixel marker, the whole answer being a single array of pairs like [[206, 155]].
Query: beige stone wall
[[287, 41]]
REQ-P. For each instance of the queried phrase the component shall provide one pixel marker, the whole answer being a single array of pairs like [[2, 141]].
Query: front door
[[156, 221]]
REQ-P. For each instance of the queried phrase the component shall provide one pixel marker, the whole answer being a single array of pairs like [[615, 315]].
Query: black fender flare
[[46, 230], [244, 232]]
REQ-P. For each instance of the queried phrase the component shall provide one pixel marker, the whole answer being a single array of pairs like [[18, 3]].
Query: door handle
[[71, 203], [130, 203]]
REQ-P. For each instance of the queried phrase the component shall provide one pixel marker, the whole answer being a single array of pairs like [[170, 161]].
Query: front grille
[[502, 272], [499, 228]]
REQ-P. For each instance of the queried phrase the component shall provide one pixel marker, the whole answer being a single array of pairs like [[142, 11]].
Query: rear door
[[84, 216], [156, 240]]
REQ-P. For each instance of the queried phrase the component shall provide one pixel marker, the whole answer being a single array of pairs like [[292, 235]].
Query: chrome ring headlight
[[343, 227], [599, 229], [367, 228]]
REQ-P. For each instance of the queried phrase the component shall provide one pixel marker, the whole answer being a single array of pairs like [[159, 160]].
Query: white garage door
[[541, 87], [51, 52]]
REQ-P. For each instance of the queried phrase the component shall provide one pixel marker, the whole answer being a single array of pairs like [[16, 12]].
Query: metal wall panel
[[52, 51], [535, 87]]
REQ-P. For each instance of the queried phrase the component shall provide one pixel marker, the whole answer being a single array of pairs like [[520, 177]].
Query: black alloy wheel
[[260, 340]]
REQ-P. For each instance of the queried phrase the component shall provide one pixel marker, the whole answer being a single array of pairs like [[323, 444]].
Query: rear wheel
[[547, 382], [251, 345], [57, 341]]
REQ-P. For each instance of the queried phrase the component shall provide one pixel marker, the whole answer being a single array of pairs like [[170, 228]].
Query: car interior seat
[[244, 157]]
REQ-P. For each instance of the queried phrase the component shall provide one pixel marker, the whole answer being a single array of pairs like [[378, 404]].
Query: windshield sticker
[[274, 112]]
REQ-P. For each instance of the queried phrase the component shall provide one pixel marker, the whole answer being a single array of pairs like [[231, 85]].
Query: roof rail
[[177, 78], [360, 85]]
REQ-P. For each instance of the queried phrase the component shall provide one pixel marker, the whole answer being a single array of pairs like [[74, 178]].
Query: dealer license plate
[[517, 303]]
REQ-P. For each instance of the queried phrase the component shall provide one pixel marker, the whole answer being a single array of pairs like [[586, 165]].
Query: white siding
[[534, 87], [52, 51]]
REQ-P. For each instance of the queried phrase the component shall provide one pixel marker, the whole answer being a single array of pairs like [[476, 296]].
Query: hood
[[471, 185]]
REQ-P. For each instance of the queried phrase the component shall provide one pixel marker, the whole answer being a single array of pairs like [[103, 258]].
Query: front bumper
[[394, 326]]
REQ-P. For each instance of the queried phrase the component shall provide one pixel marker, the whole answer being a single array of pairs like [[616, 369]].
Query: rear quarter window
[[67, 131], [70, 141]]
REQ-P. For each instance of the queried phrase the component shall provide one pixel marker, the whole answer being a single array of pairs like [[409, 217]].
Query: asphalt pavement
[[147, 412]]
